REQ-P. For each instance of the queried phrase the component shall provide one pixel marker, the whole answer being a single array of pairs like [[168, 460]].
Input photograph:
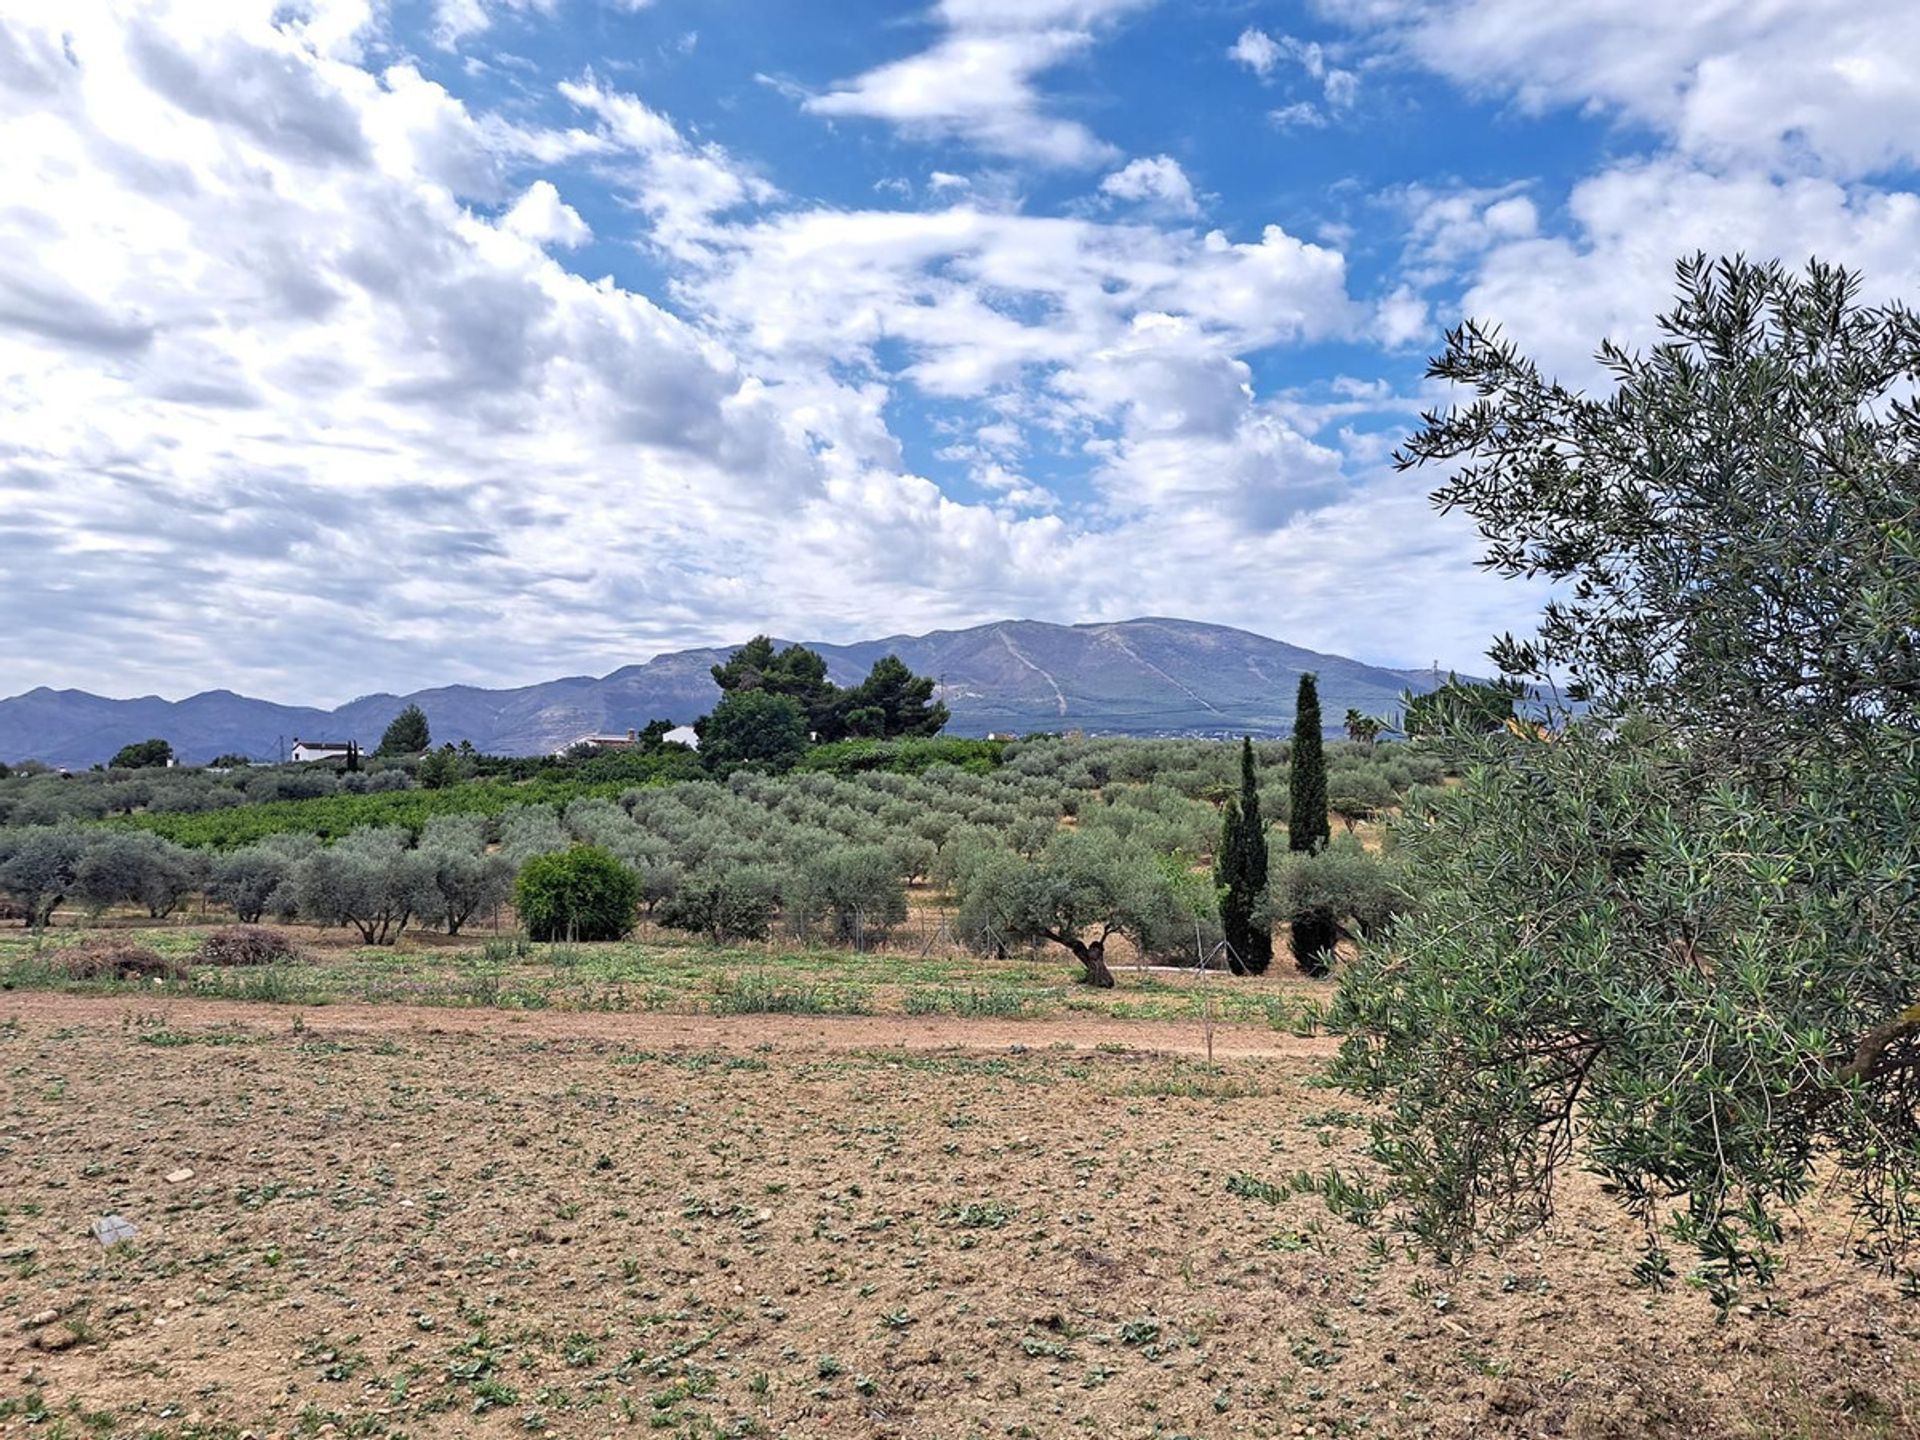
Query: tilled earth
[[392, 1222]]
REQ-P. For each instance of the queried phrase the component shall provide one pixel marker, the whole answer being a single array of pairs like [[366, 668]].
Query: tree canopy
[[757, 729], [142, 755], [1083, 890], [407, 735], [796, 672], [1672, 942], [891, 703], [1475, 705]]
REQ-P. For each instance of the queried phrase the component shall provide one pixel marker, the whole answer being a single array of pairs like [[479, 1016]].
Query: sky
[[362, 345]]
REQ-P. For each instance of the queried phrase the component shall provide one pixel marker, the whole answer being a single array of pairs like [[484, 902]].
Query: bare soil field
[[390, 1221]]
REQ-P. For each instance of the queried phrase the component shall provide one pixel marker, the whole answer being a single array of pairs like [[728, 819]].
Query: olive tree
[[37, 868], [249, 880], [856, 890], [369, 880], [1087, 888], [133, 867], [734, 903], [465, 878], [1672, 940], [1341, 892]]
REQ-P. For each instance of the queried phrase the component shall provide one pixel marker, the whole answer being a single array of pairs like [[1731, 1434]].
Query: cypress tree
[[1228, 866], [1253, 850], [1241, 871], [1308, 826]]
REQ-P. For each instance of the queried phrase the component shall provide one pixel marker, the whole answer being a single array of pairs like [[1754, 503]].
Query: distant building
[[679, 735], [600, 742], [305, 750]]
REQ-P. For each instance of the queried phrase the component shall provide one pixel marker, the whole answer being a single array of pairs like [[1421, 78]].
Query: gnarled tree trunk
[[1093, 956]]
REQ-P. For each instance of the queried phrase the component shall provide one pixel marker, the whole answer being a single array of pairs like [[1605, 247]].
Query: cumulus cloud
[[1825, 82], [1268, 56], [1157, 180], [288, 330], [276, 368], [1559, 294], [1256, 50], [543, 217], [682, 184], [276, 361], [978, 82]]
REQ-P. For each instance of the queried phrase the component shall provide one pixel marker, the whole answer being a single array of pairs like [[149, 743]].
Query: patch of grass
[[982, 1214], [759, 995], [951, 1000]]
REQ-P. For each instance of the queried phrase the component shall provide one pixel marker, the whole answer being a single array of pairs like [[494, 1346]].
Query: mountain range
[[1132, 677]]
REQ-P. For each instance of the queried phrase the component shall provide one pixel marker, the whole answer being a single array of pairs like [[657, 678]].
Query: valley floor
[[364, 1220]]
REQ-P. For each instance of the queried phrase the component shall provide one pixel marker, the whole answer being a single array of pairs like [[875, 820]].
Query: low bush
[[247, 945], [578, 894]]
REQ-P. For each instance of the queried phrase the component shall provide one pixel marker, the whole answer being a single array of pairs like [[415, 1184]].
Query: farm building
[[679, 735], [304, 750]]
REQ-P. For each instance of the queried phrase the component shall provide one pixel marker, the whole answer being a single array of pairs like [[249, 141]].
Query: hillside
[[1133, 677]]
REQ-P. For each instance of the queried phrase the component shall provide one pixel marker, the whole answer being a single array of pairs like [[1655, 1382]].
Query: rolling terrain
[[1133, 677]]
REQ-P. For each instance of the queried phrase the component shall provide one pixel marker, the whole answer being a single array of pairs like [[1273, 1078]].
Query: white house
[[304, 750]]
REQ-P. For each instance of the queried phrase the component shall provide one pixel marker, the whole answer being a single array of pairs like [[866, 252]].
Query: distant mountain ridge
[[1134, 677]]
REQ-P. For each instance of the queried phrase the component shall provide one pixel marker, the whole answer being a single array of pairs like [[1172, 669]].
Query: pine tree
[[1308, 826], [408, 734]]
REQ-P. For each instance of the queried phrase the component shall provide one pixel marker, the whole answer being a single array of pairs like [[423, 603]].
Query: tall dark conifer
[[1308, 826], [1241, 872], [1235, 920]]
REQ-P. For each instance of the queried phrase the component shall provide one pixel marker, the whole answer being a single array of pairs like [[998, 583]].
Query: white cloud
[[456, 20], [981, 300], [1301, 115], [1338, 88], [268, 350], [1447, 229], [1157, 180], [1402, 318], [543, 217], [1612, 274], [1256, 50], [682, 185], [979, 82], [274, 368], [1828, 82]]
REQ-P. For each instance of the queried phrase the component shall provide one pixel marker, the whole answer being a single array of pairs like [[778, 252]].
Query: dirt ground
[[381, 1221]]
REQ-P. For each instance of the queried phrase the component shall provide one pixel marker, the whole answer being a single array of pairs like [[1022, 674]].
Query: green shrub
[[578, 894]]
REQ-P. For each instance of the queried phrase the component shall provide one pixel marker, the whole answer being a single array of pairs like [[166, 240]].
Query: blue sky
[[358, 345]]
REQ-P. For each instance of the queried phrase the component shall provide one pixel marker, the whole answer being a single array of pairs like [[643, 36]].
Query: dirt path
[[655, 1030]]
